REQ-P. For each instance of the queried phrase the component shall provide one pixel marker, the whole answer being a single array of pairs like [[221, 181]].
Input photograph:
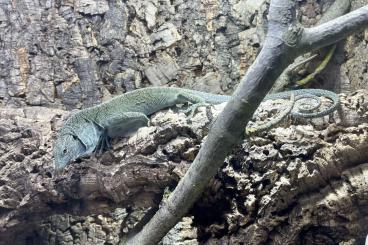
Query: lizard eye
[[74, 137], [65, 151]]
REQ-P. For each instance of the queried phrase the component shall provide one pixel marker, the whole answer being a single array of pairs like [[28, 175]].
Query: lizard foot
[[103, 144], [193, 108]]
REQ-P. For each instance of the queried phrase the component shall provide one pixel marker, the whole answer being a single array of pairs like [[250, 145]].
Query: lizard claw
[[103, 145], [193, 108]]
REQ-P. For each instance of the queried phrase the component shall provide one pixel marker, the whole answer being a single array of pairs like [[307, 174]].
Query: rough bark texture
[[285, 41], [300, 184], [305, 180]]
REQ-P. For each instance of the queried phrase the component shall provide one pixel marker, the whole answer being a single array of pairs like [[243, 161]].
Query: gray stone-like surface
[[92, 7], [163, 72]]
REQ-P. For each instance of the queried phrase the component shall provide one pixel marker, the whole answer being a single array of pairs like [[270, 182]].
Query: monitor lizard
[[90, 129]]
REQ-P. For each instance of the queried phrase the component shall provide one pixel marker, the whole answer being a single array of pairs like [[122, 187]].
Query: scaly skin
[[89, 130], [312, 93]]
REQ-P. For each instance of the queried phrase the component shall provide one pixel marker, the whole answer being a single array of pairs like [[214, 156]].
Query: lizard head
[[67, 148]]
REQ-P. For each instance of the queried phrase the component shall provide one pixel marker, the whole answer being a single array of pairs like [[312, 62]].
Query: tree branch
[[338, 8], [334, 30], [280, 48]]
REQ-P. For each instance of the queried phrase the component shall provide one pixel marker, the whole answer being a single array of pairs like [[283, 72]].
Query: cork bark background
[[302, 183]]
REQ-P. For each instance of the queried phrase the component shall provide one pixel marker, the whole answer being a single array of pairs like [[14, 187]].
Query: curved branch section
[[285, 80], [334, 30]]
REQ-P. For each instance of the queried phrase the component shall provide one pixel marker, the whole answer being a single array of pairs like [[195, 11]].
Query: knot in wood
[[292, 35]]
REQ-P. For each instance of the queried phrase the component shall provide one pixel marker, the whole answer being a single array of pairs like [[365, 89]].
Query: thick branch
[[334, 30], [229, 126]]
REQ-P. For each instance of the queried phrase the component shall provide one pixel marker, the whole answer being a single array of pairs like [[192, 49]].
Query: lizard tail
[[312, 94]]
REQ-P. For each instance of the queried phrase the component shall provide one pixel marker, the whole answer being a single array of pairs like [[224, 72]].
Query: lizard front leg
[[195, 100], [120, 125]]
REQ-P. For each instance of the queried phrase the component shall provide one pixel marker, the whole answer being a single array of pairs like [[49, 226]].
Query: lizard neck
[[85, 129]]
